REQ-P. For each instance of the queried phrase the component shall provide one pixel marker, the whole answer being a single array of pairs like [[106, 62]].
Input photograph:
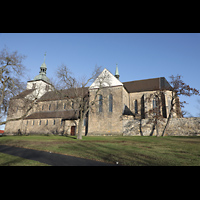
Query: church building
[[46, 111]]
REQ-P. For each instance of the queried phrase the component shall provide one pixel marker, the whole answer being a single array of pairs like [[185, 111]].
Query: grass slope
[[132, 151]]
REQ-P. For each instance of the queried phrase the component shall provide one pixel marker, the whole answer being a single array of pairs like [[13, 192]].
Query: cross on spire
[[45, 55]]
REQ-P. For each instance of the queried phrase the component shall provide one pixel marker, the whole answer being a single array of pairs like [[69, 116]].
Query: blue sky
[[139, 55]]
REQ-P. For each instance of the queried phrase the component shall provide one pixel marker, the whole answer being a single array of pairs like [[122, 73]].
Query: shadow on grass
[[109, 153], [71, 137], [124, 154]]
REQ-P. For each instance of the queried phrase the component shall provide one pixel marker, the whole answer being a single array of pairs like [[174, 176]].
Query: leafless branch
[[11, 70]]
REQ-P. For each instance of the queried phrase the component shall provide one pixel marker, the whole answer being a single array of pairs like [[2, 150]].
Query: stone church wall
[[106, 122], [176, 127], [43, 126]]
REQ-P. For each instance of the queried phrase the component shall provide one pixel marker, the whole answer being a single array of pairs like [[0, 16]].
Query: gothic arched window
[[110, 103], [100, 103], [136, 107]]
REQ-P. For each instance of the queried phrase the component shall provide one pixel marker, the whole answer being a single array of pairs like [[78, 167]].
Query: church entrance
[[73, 130]]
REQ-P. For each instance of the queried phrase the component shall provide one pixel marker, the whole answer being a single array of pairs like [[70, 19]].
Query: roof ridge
[[143, 79]]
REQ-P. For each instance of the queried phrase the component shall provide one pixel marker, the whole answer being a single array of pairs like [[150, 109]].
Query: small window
[[50, 107], [42, 107], [110, 103], [33, 122], [47, 122], [40, 122], [54, 122], [64, 106]]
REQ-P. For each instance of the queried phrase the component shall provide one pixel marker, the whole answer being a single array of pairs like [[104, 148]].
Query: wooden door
[[73, 128]]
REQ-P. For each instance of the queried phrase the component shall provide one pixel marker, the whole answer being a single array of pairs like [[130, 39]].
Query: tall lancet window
[[110, 103], [155, 103], [136, 107], [100, 103]]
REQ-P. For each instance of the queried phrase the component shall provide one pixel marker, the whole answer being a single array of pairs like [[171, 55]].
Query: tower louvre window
[[47, 88], [34, 86]]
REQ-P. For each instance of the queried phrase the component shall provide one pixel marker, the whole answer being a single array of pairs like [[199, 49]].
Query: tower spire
[[42, 73], [117, 72], [43, 67]]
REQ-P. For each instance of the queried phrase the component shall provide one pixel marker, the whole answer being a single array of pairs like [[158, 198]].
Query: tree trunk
[[169, 117], [157, 132], [141, 133], [166, 124], [79, 136], [152, 130]]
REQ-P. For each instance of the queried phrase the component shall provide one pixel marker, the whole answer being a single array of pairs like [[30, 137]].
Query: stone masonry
[[176, 127]]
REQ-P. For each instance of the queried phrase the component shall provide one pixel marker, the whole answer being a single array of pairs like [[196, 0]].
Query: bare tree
[[78, 94], [156, 113], [11, 71], [178, 88]]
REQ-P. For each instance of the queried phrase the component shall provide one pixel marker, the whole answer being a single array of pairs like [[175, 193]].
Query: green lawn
[[133, 151]]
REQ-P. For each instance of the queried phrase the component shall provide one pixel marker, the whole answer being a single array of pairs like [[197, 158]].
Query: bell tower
[[41, 82]]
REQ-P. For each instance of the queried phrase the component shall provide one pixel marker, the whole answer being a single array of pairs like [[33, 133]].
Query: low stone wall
[[176, 127]]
